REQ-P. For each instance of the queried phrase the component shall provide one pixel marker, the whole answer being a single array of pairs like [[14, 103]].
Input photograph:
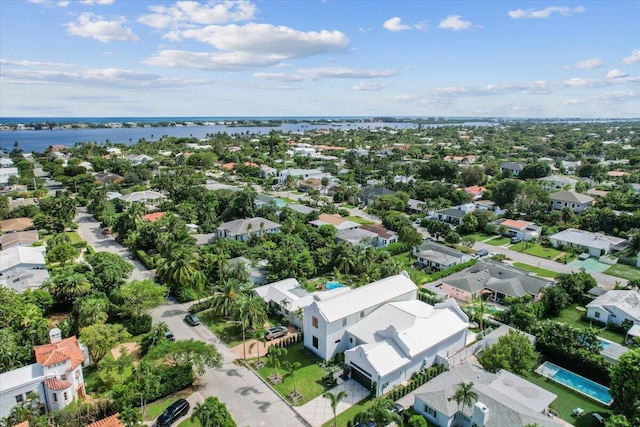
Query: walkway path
[[318, 411]]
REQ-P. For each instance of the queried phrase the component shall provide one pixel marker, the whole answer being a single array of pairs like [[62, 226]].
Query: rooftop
[[242, 226], [17, 224], [587, 238], [626, 301], [59, 352], [571, 197], [19, 255]]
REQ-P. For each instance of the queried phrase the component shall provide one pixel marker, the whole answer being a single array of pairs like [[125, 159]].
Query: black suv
[[177, 409]]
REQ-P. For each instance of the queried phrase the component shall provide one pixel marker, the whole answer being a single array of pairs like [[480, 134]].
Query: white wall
[[440, 419], [8, 397]]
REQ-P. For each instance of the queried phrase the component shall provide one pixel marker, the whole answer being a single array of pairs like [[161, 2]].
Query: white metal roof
[[365, 297], [12, 257]]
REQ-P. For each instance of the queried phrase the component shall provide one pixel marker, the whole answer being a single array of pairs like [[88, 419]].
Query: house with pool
[[504, 399], [617, 307]]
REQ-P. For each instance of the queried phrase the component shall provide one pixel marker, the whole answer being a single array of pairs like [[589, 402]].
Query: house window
[[19, 398], [66, 396], [431, 412], [362, 314], [314, 342], [55, 397], [314, 322], [344, 322], [597, 314]]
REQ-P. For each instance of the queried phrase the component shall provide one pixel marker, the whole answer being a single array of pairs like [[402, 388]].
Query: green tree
[[190, 352], [417, 420], [225, 298], [109, 270], [273, 356], [139, 296], [100, 338], [251, 310], [291, 369], [513, 352], [464, 395], [625, 384], [62, 253], [535, 170], [130, 417], [379, 411], [178, 267], [92, 310], [555, 299], [334, 399], [212, 413], [124, 360]]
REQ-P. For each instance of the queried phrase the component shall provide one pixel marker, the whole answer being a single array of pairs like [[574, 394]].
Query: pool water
[[576, 382], [333, 285], [604, 344]]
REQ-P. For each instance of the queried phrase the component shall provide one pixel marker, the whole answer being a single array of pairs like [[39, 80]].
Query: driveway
[[318, 411], [89, 230], [604, 280], [249, 400]]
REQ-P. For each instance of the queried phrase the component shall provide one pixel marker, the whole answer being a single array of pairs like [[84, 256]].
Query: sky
[[145, 58]]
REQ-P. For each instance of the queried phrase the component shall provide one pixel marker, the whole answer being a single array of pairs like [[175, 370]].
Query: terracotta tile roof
[[18, 224], [112, 421], [475, 190], [153, 217], [56, 384], [22, 424], [616, 173], [514, 223], [378, 229], [61, 351]]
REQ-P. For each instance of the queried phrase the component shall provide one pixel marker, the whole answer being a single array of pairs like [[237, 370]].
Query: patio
[[318, 411], [591, 264]]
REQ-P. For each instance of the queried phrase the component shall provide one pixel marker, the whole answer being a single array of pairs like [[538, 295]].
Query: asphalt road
[[249, 400]]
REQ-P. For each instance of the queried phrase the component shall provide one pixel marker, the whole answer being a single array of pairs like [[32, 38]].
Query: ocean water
[[40, 140]]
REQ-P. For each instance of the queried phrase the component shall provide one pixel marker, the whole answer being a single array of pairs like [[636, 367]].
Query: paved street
[[249, 400]]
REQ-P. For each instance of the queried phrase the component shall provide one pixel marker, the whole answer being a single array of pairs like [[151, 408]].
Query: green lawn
[[479, 237], [536, 250], [498, 241], [358, 220], [572, 316], [230, 333], [73, 236], [348, 415], [539, 271], [188, 423], [625, 271], [154, 409], [308, 377], [568, 400], [102, 380], [418, 276]]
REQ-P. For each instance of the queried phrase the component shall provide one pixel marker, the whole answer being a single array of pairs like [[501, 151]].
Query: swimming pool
[[575, 382], [604, 344], [333, 285]]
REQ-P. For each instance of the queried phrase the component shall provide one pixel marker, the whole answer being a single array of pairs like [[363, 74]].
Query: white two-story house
[[326, 320]]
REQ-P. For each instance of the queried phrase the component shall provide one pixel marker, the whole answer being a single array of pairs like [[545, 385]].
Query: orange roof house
[[112, 421], [475, 190], [17, 224], [58, 352], [153, 217]]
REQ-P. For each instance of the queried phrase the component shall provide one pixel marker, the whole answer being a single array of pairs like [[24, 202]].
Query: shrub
[[145, 259], [185, 295], [170, 379], [396, 248], [138, 325], [201, 306]]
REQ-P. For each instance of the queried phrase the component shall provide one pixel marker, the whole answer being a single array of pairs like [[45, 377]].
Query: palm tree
[[464, 395], [380, 412], [335, 399], [178, 266], [258, 334], [291, 369], [251, 310], [202, 413], [225, 298], [274, 359]]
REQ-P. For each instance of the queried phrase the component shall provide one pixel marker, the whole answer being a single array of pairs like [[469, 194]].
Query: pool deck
[[555, 368]]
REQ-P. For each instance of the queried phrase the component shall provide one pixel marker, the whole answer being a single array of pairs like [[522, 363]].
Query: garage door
[[361, 377]]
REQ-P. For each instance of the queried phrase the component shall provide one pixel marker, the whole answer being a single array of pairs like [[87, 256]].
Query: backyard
[[573, 316], [358, 219], [308, 377], [568, 400], [624, 271]]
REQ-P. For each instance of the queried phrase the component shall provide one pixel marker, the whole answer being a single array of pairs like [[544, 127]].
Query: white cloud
[[369, 86], [395, 25], [587, 64], [212, 60], [98, 2], [25, 63], [96, 27], [313, 74], [454, 22], [545, 13], [633, 58], [63, 3], [616, 74], [184, 14]]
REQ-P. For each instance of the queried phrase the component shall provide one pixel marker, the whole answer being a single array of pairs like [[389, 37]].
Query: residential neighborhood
[[305, 285]]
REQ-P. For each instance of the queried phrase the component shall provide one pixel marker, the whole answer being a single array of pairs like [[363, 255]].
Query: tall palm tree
[[202, 413], [291, 369], [251, 310], [178, 266], [226, 296], [258, 335], [335, 399], [464, 395], [274, 355], [380, 413]]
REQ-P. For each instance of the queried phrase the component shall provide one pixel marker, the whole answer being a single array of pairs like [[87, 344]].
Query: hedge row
[[145, 259], [440, 274], [417, 379], [396, 248]]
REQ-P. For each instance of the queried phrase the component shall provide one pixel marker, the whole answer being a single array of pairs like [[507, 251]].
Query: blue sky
[[319, 58]]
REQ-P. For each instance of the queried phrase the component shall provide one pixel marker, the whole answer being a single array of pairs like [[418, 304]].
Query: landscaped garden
[[542, 272], [625, 271], [568, 400], [308, 375], [573, 316]]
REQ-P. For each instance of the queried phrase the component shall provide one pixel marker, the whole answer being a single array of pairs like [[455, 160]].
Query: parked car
[[481, 253], [176, 410], [370, 423], [584, 256], [170, 336], [276, 332], [192, 319], [515, 240], [396, 408]]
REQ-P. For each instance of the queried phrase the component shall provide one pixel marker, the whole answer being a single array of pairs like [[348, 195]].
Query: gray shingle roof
[[571, 197], [239, 227]]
